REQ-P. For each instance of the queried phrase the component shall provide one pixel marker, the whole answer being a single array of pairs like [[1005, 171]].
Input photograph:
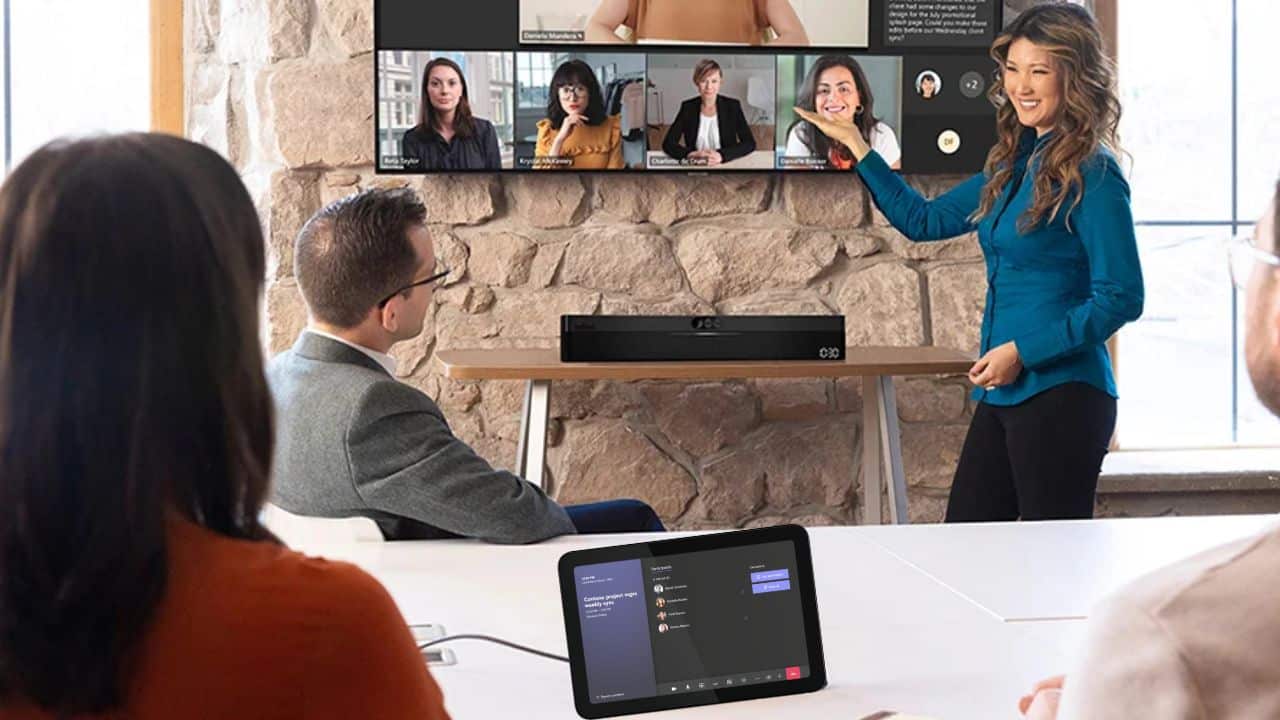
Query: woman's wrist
[[859, 147]]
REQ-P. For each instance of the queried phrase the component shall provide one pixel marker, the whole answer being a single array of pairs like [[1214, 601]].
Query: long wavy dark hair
[[464, 124], [575, 72], [1088, 119], [813, 138], [131, 389]]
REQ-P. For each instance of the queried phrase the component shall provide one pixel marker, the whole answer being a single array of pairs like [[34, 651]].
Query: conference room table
[[877, 366], [951, 622]]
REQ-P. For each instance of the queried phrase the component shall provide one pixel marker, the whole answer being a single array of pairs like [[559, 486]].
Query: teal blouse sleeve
[[915, 216], [1104, 223]]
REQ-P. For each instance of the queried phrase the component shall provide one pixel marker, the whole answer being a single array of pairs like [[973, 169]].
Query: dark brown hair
[[356, 251], [463, 123], [1088, 119], [576, 72], [131, 387], [813, 138]]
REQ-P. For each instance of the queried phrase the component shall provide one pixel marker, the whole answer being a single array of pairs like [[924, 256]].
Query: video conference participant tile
[[711, 111], [865, 90], [445, 110], [580, 111]]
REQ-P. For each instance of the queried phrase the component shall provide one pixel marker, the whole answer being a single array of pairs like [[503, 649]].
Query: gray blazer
[[352, 440]]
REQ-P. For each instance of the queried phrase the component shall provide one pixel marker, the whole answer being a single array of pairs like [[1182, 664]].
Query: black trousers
[[1038, 460]]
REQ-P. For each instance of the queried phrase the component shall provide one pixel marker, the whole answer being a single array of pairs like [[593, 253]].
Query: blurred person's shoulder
[[1218, 598], [1201, 633], [267, 580], [1226, 573], [254, 624]]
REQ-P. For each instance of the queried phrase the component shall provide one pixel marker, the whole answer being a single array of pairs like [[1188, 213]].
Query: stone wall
[[284, 88]]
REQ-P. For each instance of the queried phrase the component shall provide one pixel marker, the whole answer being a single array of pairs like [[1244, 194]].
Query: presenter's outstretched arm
[[915, 216]]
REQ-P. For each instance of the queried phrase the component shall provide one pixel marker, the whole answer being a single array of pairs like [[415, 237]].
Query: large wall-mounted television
[[650, 86]]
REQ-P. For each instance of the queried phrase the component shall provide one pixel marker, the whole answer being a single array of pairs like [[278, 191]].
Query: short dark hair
[[575, 72], [705, 67], [131, 387], [355, 251]]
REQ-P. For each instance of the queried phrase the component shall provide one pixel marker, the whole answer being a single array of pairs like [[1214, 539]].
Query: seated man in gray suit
[[354, 441], [1199, 639]]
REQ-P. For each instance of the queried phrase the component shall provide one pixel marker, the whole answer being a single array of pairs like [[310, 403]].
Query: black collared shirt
[[425, 149]]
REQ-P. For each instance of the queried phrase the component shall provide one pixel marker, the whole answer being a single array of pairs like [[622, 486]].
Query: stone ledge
[[1190, 471]]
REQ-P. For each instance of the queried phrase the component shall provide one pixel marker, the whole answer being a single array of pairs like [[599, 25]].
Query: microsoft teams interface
[[659, 85], [695, 622]]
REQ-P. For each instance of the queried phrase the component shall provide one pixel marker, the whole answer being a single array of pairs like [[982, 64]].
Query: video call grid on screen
[[928, 83]]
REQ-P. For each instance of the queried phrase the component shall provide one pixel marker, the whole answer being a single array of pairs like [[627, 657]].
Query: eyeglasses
[[568, 91], [425, 281], [1242, 255]]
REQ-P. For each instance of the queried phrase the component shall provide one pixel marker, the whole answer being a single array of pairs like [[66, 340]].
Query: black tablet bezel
[[794, 534]]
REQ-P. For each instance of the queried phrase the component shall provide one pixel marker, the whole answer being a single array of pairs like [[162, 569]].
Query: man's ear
[[389, 315]]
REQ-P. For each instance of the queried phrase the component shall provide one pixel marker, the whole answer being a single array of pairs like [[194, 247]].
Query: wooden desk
[[881, 447]]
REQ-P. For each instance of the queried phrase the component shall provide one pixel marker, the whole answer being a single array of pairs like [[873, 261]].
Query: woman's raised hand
[[842, 131]]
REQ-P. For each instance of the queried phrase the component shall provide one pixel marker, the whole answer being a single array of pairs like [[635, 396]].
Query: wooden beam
[[167, 97], [1107, 12]]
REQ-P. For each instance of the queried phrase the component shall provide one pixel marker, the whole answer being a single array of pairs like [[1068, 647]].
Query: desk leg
[[531, 453], [872, 467], [881, 452], [891, 450]]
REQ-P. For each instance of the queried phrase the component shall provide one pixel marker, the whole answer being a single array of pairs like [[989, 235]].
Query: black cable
[[490, 638]]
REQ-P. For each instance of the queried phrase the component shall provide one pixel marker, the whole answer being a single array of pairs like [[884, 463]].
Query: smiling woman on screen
[[836, 88]]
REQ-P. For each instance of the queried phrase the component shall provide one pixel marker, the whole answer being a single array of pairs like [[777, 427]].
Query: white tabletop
[[896, 637], [1023, 572]]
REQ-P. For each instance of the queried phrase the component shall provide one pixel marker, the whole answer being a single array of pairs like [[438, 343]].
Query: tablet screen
[[678, 624]]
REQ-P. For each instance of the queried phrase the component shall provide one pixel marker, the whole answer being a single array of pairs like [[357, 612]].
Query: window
[[4, 87], [501, 92], [1197, 119], [101, 49], [535, 78]]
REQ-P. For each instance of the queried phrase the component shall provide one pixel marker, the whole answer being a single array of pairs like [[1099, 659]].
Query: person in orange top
[[135, 446], [577, 134], [701, 22]]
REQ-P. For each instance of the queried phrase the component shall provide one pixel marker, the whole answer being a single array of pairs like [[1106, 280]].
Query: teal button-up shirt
[[1057, 293]]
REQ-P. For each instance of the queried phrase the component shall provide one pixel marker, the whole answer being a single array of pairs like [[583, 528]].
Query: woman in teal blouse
[[1051, 210]]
